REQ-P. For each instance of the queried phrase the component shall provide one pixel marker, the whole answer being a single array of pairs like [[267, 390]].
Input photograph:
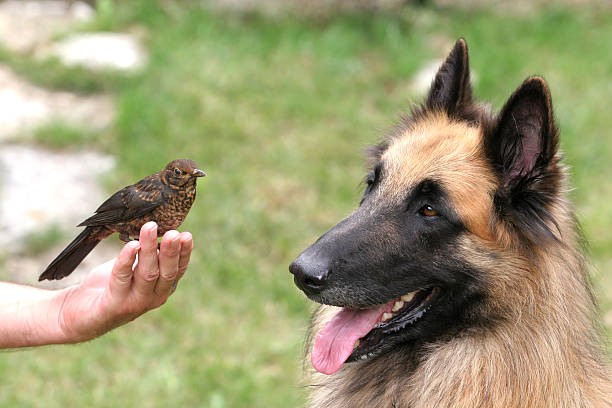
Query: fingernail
[[186, 238], [150, 226], [172, 235]]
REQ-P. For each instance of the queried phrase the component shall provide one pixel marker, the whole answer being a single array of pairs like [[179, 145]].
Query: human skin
[[140, 279]]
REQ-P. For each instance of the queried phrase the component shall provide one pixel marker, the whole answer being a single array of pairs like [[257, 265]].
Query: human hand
[[119, 291]]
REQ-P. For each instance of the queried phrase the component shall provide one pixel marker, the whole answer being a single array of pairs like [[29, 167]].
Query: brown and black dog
[[459, 280]]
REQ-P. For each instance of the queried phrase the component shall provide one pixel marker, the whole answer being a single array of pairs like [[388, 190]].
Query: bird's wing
[[129, 203]]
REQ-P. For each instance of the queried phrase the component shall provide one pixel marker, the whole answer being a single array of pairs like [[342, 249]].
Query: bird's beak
[[198, 173]]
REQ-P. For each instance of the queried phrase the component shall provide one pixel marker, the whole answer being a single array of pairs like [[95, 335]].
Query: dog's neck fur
[[505, 365]]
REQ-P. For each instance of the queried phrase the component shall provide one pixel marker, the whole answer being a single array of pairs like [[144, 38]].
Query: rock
[[102, 50], [25, 107], [41, 188], [26, 25]]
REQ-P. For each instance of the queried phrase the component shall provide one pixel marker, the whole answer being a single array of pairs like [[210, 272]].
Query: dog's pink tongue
[[335, 341]]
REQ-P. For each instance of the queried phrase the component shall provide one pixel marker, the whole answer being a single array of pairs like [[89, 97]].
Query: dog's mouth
[[358, 334]]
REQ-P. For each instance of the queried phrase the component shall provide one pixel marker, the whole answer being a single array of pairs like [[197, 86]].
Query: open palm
[[141, 278]]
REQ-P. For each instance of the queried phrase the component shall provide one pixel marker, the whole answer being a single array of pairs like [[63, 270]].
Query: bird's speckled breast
[[168, 216], [172, 215]]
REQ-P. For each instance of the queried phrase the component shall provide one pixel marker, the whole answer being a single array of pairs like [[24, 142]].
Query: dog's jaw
[[353, 335]]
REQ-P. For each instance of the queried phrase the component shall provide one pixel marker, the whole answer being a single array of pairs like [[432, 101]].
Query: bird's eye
[[178, 172], [428, 211]]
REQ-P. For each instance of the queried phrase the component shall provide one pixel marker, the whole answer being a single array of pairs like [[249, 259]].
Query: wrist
[[58, 331]]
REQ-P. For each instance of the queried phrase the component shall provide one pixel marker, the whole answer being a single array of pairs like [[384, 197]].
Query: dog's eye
[[371, 178], [374, 175], [428, 211]]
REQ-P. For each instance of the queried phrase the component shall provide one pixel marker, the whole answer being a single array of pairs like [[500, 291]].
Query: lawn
[[278, 112]]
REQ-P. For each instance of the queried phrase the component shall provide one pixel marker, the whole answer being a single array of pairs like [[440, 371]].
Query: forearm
[[29, 316]]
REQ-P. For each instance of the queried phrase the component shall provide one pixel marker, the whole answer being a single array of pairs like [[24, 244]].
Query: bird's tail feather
[[72, 255]]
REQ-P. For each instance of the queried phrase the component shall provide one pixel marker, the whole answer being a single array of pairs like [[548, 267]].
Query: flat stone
[[25, 107], [101, 51], [41, 188]]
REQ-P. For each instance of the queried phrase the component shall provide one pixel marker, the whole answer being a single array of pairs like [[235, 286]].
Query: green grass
[[278, 112], [41, 241], [57, 134], [49, 72]]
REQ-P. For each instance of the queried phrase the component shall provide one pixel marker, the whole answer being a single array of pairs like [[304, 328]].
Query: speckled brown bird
[[164, 197]]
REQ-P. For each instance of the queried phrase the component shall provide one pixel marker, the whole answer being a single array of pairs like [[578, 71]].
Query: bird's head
[[181, 171]]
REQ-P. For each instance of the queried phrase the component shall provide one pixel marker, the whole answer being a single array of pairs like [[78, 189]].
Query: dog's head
[[449, 190]]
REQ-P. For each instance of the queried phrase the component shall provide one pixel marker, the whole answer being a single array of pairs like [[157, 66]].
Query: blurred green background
[[278, 110]]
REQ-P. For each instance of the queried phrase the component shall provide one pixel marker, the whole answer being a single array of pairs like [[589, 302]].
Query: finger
[[147, 270], [186, 241], [122, 272], [168, 263]]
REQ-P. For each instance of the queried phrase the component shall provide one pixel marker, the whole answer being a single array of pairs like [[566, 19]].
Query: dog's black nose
[[310, 274]]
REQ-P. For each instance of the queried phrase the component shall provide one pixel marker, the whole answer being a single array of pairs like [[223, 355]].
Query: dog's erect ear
[[522, 148], [525, 140], [451, 87]]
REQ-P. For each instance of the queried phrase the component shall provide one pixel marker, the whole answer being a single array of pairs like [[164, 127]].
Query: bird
[[164, 197]]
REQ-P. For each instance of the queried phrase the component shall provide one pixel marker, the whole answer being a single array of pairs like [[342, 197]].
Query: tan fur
[[542, 352], [449, 152]]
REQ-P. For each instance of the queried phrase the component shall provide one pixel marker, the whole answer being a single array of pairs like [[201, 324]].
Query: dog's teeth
[[407, 298], [397, 305], [356, 344], [386, 316]]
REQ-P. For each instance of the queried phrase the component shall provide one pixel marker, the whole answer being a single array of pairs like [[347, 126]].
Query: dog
[[459, 281]]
